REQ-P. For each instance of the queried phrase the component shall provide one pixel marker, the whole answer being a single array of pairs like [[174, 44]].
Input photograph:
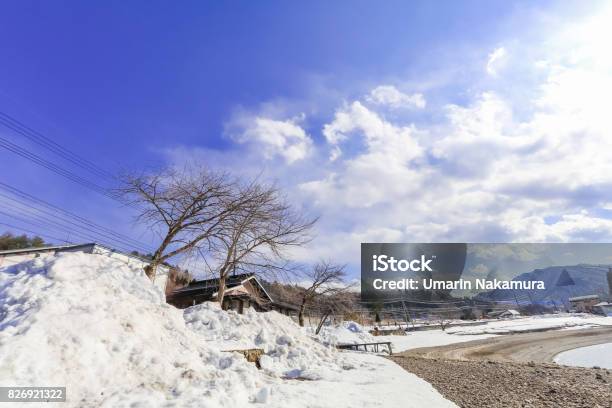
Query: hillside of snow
[[289, 352], [100, 328]]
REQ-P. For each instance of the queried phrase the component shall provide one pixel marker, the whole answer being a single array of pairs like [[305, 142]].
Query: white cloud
[[388, 95], [526, 162], [496, 61], [284, 138], [384, 140]]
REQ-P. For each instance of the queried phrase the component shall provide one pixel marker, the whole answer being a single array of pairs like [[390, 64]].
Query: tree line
[[11, 241]]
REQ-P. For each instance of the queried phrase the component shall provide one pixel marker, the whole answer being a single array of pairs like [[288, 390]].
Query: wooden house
[[242, 291]]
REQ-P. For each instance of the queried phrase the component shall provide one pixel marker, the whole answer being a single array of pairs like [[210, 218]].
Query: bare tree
[[324, 278], [234, 226], [187, 208], [338, 303], [257, 234], [444, 319]]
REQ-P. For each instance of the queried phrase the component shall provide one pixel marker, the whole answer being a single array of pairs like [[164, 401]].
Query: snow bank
[[347, 332], [101, 329], [98, 327], [534, 323], [289, 351]]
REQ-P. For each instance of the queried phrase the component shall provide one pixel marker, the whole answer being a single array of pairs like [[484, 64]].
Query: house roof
[[43, 249], [59, 248], [208, 288], [586, 297]]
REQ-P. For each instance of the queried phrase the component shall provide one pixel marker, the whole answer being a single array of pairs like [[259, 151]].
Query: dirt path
[[514, 371], [537, 347]]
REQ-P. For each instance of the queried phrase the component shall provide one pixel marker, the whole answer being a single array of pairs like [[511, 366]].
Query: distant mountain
[[561, 282]]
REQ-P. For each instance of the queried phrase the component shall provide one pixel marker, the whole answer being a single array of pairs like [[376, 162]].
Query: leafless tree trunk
[[221, 291], [322, 322], [301, 312]]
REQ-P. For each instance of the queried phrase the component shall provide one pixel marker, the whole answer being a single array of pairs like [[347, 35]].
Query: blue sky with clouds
[[401, 121]]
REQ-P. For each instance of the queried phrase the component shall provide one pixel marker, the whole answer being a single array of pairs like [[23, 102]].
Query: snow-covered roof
[[43, 249], [211, 286], [69, 247]]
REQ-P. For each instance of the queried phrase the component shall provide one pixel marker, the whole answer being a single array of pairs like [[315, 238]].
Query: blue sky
[[402, 121]]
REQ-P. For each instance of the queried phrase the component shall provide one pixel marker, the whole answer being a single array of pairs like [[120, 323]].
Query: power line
[[56, 217], [42, 222], [26, 154], [51, 145], [67, 214]]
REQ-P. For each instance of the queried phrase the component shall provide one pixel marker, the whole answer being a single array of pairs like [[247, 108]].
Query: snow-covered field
[[543, 322], [101, 329], [599, 355], [428, 338], [351, 333]]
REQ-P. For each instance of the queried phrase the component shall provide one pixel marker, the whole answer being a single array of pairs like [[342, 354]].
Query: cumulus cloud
[[395, 145], [388, 95], [496, 61], [530, 165], [285, 138]]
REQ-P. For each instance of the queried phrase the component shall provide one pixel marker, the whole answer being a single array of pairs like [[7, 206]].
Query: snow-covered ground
[[351, 333], [372, 382], [599, 355], [99, 327], [543, 322], [428, 338]]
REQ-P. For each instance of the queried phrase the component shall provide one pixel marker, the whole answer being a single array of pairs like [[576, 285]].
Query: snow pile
[[535, 323], [100, 328], [348, 332], [289, 351]]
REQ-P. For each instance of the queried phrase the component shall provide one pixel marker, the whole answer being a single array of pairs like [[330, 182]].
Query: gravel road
[[525, 347], [514, 371]]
